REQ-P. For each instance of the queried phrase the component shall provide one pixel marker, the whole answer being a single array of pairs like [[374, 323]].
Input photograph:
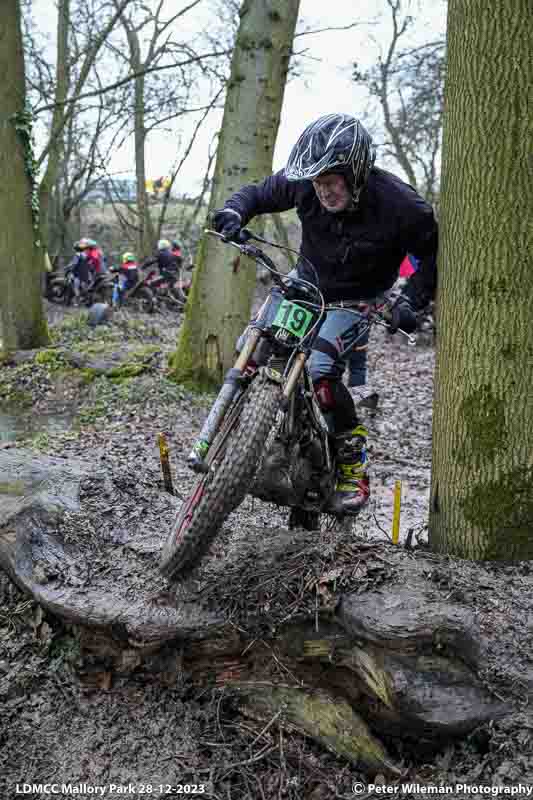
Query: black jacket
[[356, 253], [165, 260]]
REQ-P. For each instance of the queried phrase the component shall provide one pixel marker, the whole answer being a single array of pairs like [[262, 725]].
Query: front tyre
[[56, 290], [143, 300], [233, 457]]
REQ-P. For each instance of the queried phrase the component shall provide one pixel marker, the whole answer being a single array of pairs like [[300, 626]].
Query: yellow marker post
[[165, 463], [396, 512]]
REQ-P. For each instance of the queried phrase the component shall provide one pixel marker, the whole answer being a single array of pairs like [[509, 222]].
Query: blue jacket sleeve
[[272, 195]]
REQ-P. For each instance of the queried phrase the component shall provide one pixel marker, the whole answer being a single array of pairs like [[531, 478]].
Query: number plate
[[293, 318]]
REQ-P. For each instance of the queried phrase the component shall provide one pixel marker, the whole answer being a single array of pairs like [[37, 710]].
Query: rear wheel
[[233, 460], [142, 300]]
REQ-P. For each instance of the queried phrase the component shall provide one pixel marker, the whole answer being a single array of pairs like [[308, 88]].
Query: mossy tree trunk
[[222, 291], [482, 485], [21, 261]]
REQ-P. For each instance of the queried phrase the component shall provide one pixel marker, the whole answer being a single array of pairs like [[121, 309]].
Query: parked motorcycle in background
[[60, 289], [169, 288]]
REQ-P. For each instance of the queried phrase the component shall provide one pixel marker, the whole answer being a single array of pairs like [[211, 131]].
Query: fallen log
[[348, 642]]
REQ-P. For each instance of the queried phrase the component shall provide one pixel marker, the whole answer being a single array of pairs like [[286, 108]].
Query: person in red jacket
[[94, 256]]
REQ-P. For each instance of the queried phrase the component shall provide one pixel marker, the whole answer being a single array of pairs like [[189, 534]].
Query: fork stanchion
[[165, 462], [396, 512]]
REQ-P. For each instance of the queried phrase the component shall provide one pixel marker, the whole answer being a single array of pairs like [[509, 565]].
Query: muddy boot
[[353, 486]]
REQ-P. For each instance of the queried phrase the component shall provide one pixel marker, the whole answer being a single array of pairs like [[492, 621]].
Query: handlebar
[[379, 317]]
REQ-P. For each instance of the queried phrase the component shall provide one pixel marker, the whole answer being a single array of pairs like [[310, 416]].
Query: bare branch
[[333, 28], [132, 77]]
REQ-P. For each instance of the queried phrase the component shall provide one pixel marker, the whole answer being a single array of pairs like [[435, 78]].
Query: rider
[[165, 260], [81, 268], [95, 256], [129, 272], [358, 221], [177, 252]]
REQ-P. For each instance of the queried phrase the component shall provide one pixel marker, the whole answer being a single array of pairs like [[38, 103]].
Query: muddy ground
[[67, 719]]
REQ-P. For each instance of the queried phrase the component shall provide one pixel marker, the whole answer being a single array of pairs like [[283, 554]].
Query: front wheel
[[233, 460], [56, 290]]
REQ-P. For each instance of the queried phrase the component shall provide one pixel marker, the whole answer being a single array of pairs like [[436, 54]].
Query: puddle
[[21, 424]]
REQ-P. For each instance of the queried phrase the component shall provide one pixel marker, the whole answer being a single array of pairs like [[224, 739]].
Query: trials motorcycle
[[171, 289], [266, 434], [60, 289]]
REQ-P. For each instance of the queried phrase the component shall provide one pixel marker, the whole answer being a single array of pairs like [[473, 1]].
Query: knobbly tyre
[[266, 421]]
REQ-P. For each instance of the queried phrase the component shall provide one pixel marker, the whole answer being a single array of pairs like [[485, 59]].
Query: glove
[[227, 222], [402, 316]]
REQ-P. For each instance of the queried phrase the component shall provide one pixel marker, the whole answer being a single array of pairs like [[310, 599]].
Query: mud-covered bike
[[266, 434]]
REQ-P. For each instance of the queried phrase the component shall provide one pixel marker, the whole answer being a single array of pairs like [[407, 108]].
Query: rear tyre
[[143, 300], [234, 457]]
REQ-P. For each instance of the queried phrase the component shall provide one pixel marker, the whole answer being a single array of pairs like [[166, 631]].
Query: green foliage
[[41, 441], [125, 372], [72, 328], [18, 398], [50, 358], [23, 123]]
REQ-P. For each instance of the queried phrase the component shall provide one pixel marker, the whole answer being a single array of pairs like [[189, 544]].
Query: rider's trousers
[[339, 331]]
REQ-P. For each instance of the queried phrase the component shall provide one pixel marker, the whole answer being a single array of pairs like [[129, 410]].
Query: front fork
[[232, 382]]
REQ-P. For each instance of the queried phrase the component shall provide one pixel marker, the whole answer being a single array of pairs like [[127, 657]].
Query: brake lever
[[410, 338]]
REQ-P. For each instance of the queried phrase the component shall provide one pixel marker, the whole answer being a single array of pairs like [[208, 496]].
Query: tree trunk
[[222, 291], [23, 321], [50, 180], [145, 234], [482, 485]]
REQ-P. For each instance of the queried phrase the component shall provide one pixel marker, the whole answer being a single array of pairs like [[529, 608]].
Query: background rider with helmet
[[165, 259], [358, 222], [128, 272], [81, 268]]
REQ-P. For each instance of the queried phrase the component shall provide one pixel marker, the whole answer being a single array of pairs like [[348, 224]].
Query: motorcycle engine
[[293, 474]]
